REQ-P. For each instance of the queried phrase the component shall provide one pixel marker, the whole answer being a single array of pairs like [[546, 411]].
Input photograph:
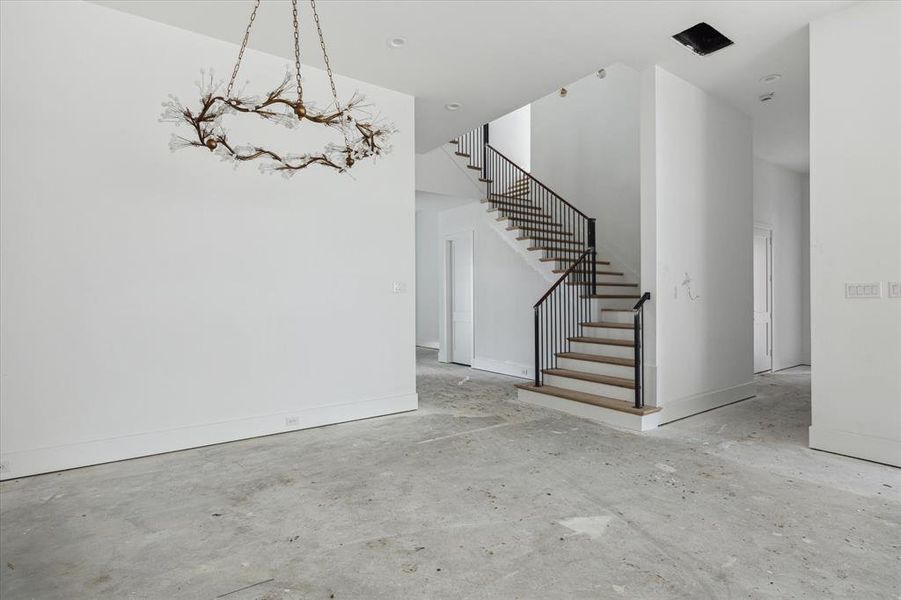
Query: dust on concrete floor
[[473, 496]]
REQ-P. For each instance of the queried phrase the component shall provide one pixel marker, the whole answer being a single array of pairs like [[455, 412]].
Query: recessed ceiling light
[[770, 78], [766, 97], [453, 106], [397, 42]]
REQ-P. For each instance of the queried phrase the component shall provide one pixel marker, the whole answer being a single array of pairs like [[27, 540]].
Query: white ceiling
[[496, 55]]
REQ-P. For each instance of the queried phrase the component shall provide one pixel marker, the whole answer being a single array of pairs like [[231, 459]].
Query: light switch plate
[[399, 287], [894, 289], [863, 290]]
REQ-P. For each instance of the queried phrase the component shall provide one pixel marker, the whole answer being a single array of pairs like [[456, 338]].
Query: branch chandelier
[[363, 136]]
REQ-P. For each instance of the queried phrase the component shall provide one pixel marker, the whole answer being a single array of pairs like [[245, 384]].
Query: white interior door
[[459, 298], [763, 304]]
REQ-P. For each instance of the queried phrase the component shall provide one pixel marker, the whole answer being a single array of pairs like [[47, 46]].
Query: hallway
[[473, 496]]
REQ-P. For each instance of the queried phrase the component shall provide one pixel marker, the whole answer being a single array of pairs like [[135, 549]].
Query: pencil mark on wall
[[686, 283]]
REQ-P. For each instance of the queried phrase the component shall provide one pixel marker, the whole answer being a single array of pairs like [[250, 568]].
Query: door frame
[[446, 350], [767, 230]]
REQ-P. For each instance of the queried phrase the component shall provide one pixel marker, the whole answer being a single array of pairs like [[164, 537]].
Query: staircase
[[588, 325]]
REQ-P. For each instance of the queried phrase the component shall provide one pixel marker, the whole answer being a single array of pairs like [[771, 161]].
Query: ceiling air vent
[[702, 39]]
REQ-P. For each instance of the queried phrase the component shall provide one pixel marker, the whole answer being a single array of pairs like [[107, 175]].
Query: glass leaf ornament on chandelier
[[362, 135]]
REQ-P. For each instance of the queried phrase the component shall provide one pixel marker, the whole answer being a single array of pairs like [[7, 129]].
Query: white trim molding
[[81, 454], [504, 367], [856, 445], [692, 405]]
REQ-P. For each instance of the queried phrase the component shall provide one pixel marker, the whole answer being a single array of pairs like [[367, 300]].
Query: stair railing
[[638, 331], [561, 310], [564, 234]]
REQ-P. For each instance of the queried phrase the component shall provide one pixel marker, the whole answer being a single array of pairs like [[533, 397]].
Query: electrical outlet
[[399, 287], [863, 290], [292, 421], [894, 289]]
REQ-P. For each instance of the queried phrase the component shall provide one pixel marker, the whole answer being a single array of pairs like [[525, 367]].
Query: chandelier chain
[[297, 52], [231, 83], [328, 66]]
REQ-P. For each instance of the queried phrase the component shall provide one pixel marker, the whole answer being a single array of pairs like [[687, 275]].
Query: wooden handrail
[[563, 277], [529, 175]]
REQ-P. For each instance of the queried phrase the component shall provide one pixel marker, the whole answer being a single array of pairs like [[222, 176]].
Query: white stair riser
[[591, 387], [602, 279], [615, 316], [602, 303], [589, 411], [598, 368], [608, 332], [616, 289], [602, 349]]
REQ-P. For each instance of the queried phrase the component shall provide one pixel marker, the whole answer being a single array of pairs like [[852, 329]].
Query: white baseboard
[[431, 345], [503, 367], [867, 447], [691, 405], [82, 454], [614, 418]]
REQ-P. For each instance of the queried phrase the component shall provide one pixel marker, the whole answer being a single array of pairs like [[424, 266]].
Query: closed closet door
[[459, 257]]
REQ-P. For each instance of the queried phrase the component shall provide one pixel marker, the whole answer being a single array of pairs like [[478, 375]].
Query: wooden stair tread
[[598, 272], [532, 221], [566, 259], [612, 296], [523, 206], [512, 196], [474, 167], [535, 230], [509, 213], [592, 377], [483, 180], [602, 283], [556, 240], [610, 360], [602, 341], [586, 398], [608, 325], [558, 249], [466, 154]]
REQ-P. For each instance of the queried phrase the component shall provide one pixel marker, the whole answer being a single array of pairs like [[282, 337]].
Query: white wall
[[585, 148], [428, 278], [779, 205], [698, 207], [855, 230], [505, 288], [439, 172], [154, 301], [805, 269], [511, 135]]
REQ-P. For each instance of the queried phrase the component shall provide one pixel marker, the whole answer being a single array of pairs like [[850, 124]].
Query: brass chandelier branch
[[362, 135]]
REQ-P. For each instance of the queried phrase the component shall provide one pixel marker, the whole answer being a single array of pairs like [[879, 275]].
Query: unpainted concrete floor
[[473, 496]]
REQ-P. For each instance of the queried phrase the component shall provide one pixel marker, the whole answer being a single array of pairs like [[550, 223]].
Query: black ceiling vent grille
[[702, 39]]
